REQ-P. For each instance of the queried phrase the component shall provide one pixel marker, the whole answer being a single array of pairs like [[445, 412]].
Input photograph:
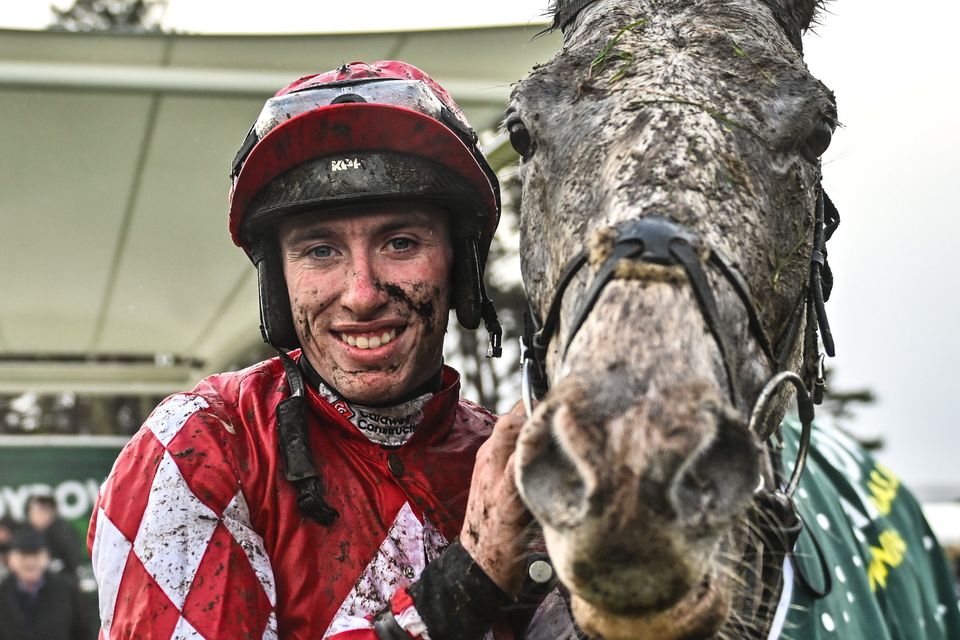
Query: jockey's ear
[[795, 16]]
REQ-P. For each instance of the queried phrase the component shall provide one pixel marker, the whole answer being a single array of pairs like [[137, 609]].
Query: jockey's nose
[[363, 294]]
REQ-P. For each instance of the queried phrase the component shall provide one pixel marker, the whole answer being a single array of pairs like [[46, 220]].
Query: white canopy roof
[[118, 273]]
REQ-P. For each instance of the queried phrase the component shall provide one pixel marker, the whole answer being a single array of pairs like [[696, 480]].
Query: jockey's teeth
[[364, 342]]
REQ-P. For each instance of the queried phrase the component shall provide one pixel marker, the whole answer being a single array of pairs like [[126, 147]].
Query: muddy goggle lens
[[411, 94]]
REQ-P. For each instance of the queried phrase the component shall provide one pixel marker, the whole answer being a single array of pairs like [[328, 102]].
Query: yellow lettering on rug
[[887, 556], [883, 486]]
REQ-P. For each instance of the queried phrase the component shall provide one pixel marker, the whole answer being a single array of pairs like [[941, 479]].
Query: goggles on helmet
[[410, 94]]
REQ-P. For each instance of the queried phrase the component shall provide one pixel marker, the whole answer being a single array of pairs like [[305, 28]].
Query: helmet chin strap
[[494, 331], [295, 452]]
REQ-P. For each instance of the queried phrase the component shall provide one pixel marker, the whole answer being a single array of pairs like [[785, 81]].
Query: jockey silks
[[197, 532]]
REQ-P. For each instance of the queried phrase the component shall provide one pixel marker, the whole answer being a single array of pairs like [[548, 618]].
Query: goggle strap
[[249, 142]]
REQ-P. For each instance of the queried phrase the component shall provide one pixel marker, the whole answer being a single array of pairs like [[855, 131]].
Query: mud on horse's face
[[639, 464]]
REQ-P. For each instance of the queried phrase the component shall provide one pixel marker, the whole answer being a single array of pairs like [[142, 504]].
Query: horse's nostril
[[552, 485], [719, 483]]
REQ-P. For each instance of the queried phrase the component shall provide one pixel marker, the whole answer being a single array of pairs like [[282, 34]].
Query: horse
[[673, 248]]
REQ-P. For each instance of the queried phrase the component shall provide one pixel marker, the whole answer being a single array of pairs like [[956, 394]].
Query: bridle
[[657, 240]]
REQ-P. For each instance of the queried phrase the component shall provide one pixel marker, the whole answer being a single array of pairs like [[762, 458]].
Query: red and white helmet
[[362, 133]]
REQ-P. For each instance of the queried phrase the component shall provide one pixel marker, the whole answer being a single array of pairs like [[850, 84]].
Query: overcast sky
[[892, 171]]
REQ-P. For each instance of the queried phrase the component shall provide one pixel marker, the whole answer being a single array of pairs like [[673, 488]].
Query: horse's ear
[[795, 16]]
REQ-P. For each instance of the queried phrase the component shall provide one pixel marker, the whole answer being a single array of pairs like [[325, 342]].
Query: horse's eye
[[819, 139], [519, 136]]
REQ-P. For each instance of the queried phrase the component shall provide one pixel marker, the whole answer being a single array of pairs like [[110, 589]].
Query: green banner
[[69, 468]]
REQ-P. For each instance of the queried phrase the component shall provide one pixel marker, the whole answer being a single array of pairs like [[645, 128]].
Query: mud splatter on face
[[423, 307], [300, 318], [301, 311]]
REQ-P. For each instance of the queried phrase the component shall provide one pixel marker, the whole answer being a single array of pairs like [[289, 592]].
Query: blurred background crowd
[[42, 567]]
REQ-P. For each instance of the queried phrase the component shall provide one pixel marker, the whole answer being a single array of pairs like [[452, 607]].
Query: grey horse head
[[639, 463]]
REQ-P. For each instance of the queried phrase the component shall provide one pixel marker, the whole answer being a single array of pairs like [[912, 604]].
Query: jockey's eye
[[320, 251], [519, 135], [401, 244], [818, 140]]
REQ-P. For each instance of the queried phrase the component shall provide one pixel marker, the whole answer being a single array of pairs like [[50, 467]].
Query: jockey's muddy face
[[370, 289]]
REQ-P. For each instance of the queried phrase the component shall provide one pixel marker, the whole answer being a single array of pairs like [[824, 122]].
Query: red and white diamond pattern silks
[[151, 547], [176, 556], [402, 556]]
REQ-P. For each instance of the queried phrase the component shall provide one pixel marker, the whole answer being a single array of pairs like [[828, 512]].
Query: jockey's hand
[[495, 527]]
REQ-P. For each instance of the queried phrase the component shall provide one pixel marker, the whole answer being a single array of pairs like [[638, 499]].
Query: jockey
[[326, 493]]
